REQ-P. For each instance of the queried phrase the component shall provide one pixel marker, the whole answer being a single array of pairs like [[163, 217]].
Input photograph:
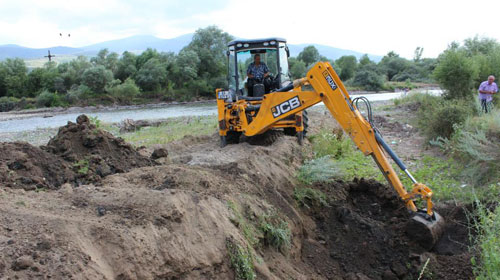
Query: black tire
[[300, 137], [233, 137], [223, 141], [290, 131], [305, 121], [265, 139]]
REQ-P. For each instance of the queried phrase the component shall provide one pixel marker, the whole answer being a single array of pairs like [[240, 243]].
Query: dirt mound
[[364, 234], [92, 152], [25, 166]]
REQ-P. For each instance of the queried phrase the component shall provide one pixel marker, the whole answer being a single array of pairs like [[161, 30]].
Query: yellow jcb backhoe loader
[[254, 107]]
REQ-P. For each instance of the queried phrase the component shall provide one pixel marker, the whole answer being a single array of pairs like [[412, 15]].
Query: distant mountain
[[11, 51], [330, 52], [139, 43]]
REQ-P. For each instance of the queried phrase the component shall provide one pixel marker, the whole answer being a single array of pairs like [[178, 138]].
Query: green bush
[[49, 99], [438, 117], [125, 92], [476, 144], [307, 197], [455, 73], [277, 234], [8, 103], [334, 144], [487, 224], [241, 260], [322, 169], [369, 78]]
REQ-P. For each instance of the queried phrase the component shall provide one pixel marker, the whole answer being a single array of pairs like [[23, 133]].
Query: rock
[[103, 170], [81, 119], [399, 269], [22, 263], [159, 153], [389, 275], [101, 211]]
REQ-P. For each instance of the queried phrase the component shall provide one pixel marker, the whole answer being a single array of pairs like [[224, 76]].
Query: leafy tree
[[309, 55], [187, 63], [3, 79], [96, 78], [365, 60], [73, 74], [145, 56], [152, 75], [455, 72], [297, 68], [126, 66], [476, 45], [417, 54], [392, 64], [210, 44], [347, 64], [15, 77], [126, 91], [369, 78]]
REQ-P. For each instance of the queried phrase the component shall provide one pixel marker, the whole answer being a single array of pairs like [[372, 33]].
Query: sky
[[367, 26]]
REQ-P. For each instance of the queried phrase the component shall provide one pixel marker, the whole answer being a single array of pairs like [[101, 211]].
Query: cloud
[[368, 26]]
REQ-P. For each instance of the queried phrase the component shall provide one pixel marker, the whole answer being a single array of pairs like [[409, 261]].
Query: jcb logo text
[[286, 106]]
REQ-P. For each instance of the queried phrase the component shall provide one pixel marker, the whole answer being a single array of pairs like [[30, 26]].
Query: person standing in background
[[486, 91]]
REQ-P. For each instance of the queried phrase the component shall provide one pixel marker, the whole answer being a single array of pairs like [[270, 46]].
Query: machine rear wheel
[[233, 137]]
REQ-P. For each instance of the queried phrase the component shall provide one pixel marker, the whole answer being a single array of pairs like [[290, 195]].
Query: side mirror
[[227, 53], [287, 52]]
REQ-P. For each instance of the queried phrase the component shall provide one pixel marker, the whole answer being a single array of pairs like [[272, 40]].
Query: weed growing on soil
[[475, 144], [241, 260], [307, 197], [334, 144], [95, 121], [247, 229], [317, 170], [487, 224], [277, 234], [83, 166], [174, 129]]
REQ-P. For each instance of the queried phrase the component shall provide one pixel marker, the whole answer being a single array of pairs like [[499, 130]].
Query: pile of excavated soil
[[172, 221], [364, 237], [92, 152], [25, 166]]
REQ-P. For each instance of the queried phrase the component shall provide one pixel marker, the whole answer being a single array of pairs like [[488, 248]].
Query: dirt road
[[99, 209]]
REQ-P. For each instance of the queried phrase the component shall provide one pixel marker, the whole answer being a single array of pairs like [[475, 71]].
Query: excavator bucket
[[426, 231]]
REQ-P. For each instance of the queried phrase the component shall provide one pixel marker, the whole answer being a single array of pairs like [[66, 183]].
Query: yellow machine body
[[273, 111]]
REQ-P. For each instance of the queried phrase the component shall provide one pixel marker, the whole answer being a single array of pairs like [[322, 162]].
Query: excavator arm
[[329, 89]]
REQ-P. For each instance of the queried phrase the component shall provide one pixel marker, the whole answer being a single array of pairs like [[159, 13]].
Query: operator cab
[[273, 53]]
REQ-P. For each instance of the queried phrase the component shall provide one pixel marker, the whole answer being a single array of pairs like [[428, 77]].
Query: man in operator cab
[[257, 73]]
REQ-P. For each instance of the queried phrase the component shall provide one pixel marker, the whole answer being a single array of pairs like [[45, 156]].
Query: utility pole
[[50, 56]]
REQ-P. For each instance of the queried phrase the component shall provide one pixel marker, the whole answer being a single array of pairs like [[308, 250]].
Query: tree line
[[200, 67]]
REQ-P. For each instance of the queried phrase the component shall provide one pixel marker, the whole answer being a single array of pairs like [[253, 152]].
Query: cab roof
[[256, 41]]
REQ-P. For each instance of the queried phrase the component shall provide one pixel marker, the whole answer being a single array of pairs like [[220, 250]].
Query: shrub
[[369, 78], [438, 117], [49, 99], [334, 144], [307, 197], [8, 103], [487, 224], [321, 169], [277, 234], [476, 144], [126, 91], [455, 73], [241, 260]]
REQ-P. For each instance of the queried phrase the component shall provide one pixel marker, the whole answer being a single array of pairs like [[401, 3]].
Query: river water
[[168, 111]]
